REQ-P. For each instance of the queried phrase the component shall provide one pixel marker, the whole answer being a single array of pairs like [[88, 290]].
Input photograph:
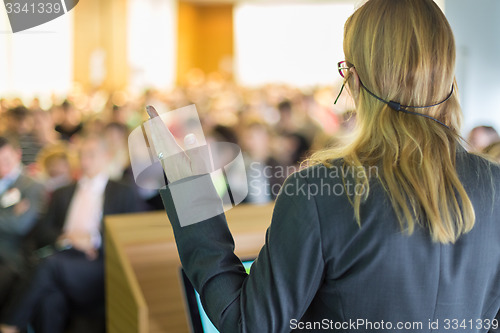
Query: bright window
[[38, 61], [152, 40], [298, 44]]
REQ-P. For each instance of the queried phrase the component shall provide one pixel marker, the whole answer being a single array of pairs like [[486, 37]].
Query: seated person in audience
[[119, 167], [20, 128], [70, 123], [44, 131], [20, 201], [263, 171], [72, 279], [55, 166], [117, 136]]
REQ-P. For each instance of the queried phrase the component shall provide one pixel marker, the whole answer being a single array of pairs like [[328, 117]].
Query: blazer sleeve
[[283, 280]]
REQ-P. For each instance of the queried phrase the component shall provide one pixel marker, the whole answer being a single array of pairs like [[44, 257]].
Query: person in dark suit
[[21, 200], [72, 279], [397, 231]]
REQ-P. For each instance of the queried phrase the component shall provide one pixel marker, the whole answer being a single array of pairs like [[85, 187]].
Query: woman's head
[[403, 51]]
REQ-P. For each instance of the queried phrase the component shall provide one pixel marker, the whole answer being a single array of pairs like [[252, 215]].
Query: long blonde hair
[[404, 51]]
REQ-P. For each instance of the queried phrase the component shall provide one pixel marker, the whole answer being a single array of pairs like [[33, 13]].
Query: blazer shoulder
[[473, 166]]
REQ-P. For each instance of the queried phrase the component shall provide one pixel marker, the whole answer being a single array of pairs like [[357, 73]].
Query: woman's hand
[[176, 163]]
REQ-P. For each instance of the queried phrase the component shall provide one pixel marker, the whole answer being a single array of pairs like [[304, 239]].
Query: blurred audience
[[276, 126], [72, 278]]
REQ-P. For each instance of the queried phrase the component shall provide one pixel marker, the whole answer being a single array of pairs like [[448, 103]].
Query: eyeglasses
[[343, 67]]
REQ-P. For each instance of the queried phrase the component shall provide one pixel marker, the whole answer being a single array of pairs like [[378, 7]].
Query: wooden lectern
[[143, 286]]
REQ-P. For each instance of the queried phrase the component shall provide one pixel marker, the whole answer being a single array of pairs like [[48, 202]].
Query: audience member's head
[[285, 108], [294, 148], [67, 107], [482, 136], [56, 166], [94, 125], [120, 114], [255, 140], [19, 120], [116, 134], [286, 122], [94, 155], [10, 156], [222, 133]]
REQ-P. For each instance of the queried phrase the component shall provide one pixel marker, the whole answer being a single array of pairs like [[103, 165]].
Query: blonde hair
[[404, 51], [53, 152]]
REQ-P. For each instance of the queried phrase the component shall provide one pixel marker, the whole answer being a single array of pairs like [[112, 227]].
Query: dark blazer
[[319, 270], [119, 198], [13, 229]]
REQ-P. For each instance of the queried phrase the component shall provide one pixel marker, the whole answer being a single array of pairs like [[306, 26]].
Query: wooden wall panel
[[205, 36]]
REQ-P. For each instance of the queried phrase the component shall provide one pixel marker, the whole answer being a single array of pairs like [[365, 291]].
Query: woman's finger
[[174, 160], [163, 141], [151, 111]]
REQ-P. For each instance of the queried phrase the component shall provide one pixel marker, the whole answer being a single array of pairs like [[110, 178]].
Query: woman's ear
[[354, 83]]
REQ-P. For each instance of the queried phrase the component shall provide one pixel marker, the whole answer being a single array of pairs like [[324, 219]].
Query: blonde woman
[[399, 231]]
